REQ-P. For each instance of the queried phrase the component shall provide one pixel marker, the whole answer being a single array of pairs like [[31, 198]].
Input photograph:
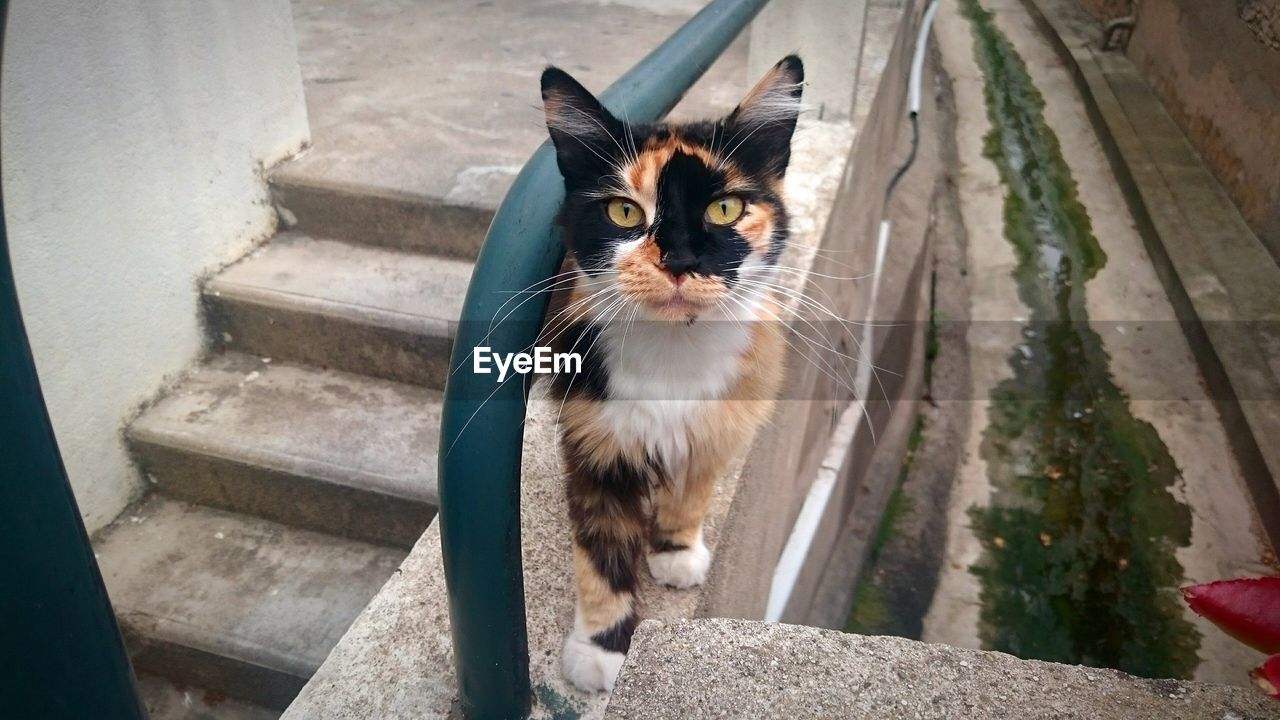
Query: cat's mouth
[[684, 299]]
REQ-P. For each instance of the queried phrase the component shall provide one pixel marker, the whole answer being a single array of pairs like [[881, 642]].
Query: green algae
[[1079, 539], [870, 612], [555, 705]]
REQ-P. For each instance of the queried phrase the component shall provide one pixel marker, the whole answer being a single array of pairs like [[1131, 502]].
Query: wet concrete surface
[[1168, 502]]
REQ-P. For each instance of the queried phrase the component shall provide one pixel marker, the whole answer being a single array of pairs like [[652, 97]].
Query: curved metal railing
[[483, 426]]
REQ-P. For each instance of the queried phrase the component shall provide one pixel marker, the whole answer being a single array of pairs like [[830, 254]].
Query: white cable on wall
[[794, 553]]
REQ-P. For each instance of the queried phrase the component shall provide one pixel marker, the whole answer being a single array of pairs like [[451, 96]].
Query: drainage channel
[[1093, 475], [1082, 527]]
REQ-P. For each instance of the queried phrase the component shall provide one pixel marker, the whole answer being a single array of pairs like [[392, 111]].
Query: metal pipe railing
[[482, 429], [60, 648]]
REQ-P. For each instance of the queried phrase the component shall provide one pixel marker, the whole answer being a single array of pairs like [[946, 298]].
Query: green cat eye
[[724, 210], [624, 213]]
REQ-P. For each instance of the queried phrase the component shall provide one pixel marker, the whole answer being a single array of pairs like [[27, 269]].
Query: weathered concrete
[[689, 669], [1148, 356], [350, 307], [329, 451], [426, 144], [1216, 67], [134, 136], [1222, 282], [240, 606], [166, 700], [874, 431], [821, 32]]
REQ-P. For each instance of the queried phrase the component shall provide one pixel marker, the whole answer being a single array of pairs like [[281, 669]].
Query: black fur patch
[[618, 491], [618, 637], [662, 545], [688, 243]]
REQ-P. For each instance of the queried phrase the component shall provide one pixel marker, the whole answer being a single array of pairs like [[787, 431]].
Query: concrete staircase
[[296, 465]]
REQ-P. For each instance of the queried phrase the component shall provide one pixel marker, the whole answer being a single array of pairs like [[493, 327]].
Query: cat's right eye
[[624, 213]]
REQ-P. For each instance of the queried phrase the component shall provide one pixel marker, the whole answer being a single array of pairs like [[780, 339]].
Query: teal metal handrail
[[482, 429], [60, 648]]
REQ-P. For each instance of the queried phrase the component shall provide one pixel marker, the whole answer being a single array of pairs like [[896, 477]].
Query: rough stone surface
[[326, 450], [362, 309], [268, 601], [688, 669]]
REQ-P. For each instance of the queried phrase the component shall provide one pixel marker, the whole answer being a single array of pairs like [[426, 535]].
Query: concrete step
[[364, 309], [167, 700], [240, 606], [319, 449], [381, 217]]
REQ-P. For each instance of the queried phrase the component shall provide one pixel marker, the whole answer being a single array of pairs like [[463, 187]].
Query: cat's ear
[[766, 118], [584, 132]]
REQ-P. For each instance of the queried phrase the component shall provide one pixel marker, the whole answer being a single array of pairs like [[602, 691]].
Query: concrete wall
[[782, 464], [826, 34], [1216, 67], [133, 136]]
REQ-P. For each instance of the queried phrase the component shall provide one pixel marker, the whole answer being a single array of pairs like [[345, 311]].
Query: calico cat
[[673, 233]]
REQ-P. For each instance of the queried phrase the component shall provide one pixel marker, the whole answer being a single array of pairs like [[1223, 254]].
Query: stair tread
[[253, 590], [166, 700], [389, 288], [332, 426]]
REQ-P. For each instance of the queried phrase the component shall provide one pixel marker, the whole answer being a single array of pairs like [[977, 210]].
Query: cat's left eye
[[724, 210]]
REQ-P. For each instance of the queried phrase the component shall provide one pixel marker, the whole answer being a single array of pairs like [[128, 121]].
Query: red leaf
[[1247, 609], [1267, 676]]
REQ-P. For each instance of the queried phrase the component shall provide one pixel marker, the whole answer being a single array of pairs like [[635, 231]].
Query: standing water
[[1080, 535]]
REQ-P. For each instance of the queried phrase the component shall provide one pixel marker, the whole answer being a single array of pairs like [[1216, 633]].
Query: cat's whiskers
[[812, 304], [843, 323], [851, 388], [620, 304], [603, 129], [817, 347], [826, 369], [567, 277], [566, 317], [498, 387]]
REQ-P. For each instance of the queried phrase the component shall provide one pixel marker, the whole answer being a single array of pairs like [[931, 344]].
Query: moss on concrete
[[1079, 539]]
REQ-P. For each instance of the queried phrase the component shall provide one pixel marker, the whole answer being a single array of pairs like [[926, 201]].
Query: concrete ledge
[[687, 669], [1223, 282]]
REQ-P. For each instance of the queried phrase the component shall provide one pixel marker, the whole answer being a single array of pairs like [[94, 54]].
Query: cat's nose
[[679, 265]]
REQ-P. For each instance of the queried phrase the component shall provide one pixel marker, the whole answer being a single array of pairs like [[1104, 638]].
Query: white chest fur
[[662, 377]]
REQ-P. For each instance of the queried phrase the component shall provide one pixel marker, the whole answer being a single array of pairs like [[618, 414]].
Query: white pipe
[[805, 528], [917, 60], [794, 553]]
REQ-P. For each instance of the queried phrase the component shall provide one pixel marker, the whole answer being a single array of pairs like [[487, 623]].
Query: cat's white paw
[[587, 665], [681, 568]]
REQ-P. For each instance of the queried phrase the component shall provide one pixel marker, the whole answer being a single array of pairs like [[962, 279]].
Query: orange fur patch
[[756, 226]]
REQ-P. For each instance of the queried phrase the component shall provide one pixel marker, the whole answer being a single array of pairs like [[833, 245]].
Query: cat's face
[[671, 217]]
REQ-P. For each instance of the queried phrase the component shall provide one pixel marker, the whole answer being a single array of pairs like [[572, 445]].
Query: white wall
[[133, 133]]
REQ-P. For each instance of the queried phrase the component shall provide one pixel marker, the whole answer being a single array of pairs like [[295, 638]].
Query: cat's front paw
[[587, 665], [684, 568]]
